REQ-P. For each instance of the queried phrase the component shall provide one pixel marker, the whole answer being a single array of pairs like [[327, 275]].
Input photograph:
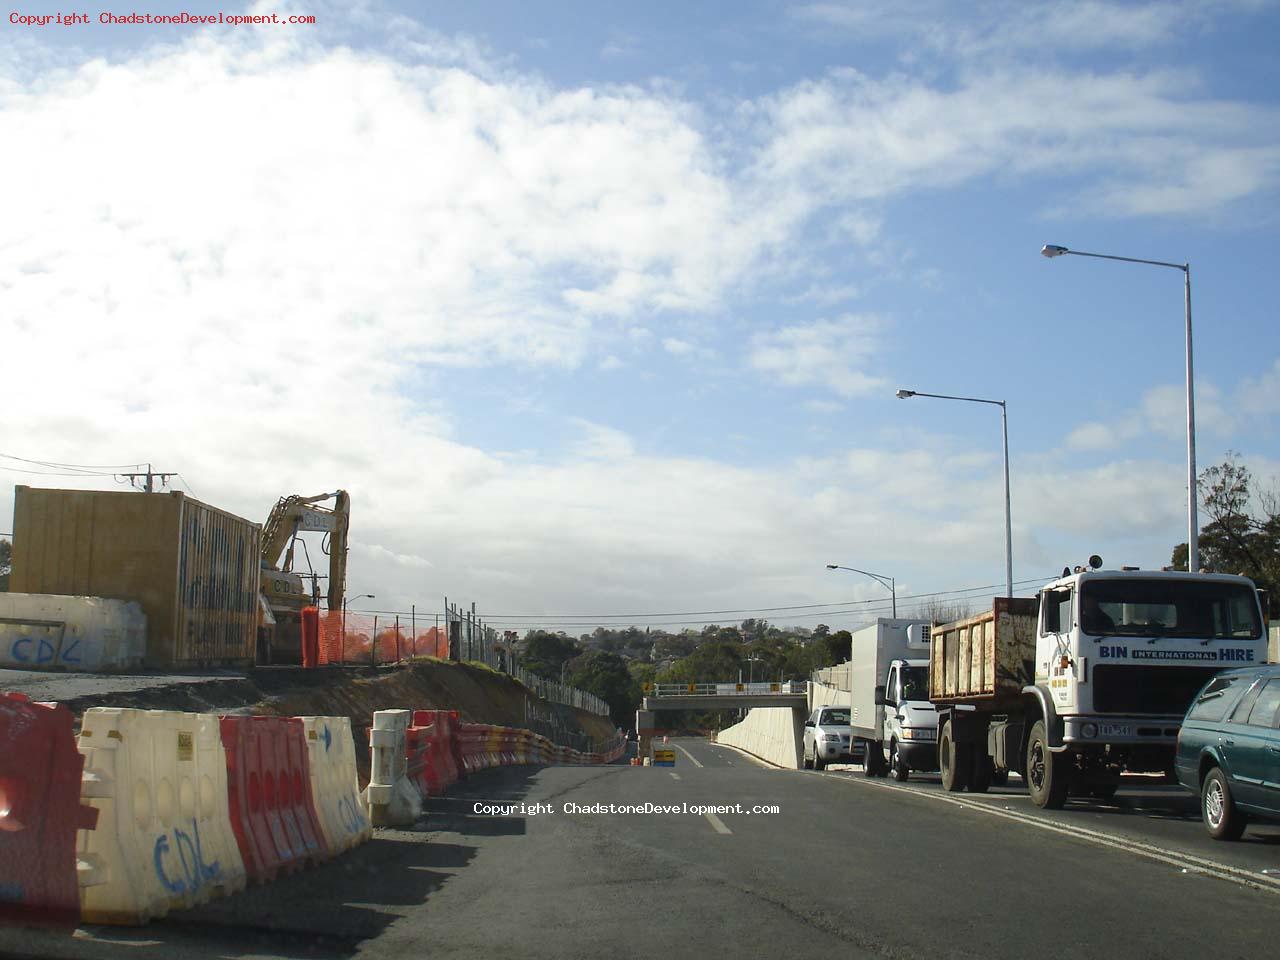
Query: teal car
[[1229, 749]]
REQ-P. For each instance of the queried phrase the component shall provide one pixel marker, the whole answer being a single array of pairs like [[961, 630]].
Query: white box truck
[[889, 708]]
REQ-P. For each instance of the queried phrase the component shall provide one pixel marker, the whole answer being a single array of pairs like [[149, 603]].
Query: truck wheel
[[898, 768], [980, 772], [872, 759], [953, 761], [1047, 775], [1222, 818], [999, 778], [1103, 791]]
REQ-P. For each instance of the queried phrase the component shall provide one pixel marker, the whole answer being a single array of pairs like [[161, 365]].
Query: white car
[[826, 738]]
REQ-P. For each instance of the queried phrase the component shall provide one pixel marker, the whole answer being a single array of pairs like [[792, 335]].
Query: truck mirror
[[880, 700]]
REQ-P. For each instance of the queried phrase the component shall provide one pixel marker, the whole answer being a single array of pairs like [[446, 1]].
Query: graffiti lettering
[[195, 873], [351, 814]]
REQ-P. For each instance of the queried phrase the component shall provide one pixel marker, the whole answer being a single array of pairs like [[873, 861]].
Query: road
[[846, 867]]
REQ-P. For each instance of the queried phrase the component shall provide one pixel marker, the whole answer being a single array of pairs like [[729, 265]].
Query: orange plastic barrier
[[310, 637], [40, 812], [444, 723], [273, 812]]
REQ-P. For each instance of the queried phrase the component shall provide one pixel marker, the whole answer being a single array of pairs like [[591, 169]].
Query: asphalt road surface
[[846, 867]]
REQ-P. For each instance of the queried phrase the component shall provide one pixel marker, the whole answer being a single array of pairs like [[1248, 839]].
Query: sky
[[599, 311]]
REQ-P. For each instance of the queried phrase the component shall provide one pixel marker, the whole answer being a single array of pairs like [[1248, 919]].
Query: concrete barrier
[[391, 798], [41, 631], [775, 734], [163, 841]]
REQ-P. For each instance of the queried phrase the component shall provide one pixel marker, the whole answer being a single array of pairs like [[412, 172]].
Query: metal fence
[[725, 689], [368, 639]]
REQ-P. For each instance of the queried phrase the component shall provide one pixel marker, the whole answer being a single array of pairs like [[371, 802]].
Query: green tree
[[545, 653], [606, 675], [1243, 532]]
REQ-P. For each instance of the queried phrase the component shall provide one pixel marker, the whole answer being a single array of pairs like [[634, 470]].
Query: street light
[[344, 621], [1052, 250], [884, 581], [1004, 422]]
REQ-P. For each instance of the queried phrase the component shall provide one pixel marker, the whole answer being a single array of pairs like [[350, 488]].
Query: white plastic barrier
[[391, 798], [334, 782], [164, 838], [40, 631]]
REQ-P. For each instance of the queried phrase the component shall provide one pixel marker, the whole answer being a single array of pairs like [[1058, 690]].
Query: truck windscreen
[[1169, 608]]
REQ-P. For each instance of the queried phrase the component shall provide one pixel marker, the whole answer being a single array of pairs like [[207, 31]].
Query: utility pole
[[149, 478]]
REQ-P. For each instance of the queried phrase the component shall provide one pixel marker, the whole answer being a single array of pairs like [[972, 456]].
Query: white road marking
[[718, 823], [1186, 861], [675, 776], [696, 762]]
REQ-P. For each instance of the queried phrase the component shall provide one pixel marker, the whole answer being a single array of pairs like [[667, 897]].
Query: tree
[[1243, 532], [546, 653], [6, 561], [606, 675]]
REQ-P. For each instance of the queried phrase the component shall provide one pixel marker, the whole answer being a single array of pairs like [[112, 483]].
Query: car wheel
[[806, 762], [1222, 818], [898, 768], [1047, 775], [818, 762]]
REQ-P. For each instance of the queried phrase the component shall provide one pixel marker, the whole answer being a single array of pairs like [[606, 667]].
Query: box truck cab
[[890, 710], [909, 729]]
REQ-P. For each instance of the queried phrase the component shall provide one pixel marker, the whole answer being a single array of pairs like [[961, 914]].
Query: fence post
[[373, 647]]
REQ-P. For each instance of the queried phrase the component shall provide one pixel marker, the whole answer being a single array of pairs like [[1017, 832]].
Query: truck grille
[[1126, 689]]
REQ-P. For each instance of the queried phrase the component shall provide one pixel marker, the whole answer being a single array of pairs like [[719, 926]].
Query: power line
[[567, 617], [72, 466]]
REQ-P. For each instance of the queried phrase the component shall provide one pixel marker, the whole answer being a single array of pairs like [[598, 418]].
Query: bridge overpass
[[725, 696]]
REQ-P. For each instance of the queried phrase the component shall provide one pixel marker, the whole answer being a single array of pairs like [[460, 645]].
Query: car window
[[836, 717], [1246, 703], [1216, 698], [1264, 710]]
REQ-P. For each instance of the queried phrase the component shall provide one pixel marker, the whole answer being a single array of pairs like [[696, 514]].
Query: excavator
[[284, 593]]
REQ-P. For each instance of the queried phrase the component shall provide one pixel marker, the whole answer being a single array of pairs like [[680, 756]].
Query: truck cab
[[909, 734]]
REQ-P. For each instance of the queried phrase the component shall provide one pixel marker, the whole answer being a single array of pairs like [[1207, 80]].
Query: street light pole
[[1052, 250], [882, 580], [1008, 523]]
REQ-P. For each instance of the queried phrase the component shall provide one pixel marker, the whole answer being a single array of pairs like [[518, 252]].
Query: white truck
[[1087, 681], [889, 707]]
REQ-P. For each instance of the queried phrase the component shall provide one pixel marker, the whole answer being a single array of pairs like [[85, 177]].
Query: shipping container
[[194, 569], [986, 659]]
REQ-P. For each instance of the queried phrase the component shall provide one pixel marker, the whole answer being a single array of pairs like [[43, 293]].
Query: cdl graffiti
[[27, 650], [53, 632], [180, 866]]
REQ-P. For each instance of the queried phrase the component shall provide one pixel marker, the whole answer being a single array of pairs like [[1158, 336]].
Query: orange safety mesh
[[353, 641]]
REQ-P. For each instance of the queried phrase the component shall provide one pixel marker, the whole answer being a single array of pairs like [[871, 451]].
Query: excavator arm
[[293, 514]]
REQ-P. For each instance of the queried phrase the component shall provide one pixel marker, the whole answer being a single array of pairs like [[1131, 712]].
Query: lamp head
[[833, 566], [903, 394], [1052, 250]]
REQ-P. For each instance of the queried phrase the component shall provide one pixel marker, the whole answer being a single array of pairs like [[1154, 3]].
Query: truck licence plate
[[1115, 729]]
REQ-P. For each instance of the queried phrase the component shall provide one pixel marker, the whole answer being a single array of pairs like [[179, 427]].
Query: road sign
[[664, 757]]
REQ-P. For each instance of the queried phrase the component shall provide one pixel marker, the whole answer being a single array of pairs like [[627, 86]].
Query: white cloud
[[830, 353], [677, 347], [1167, 149]]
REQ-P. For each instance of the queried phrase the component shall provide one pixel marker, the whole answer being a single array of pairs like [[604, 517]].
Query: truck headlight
[[1089, 730], [917, 733]]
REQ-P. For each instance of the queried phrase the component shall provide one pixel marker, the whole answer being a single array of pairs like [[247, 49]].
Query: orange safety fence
[[351, 639]]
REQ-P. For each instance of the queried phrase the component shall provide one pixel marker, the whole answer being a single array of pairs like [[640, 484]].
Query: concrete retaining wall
[[775, 734], [41, 631], [834, 694]]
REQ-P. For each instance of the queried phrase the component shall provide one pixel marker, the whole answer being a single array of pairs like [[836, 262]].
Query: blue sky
[[603, 309]]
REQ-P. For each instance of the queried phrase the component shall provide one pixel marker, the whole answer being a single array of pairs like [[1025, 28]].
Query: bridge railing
[[725, 689]]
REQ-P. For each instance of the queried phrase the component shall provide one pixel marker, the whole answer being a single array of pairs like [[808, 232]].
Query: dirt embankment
[[479, 695]]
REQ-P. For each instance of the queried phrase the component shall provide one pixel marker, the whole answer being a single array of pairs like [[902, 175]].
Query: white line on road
[[718, 823], [695, 760], [675, 776], [1186, 861]]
